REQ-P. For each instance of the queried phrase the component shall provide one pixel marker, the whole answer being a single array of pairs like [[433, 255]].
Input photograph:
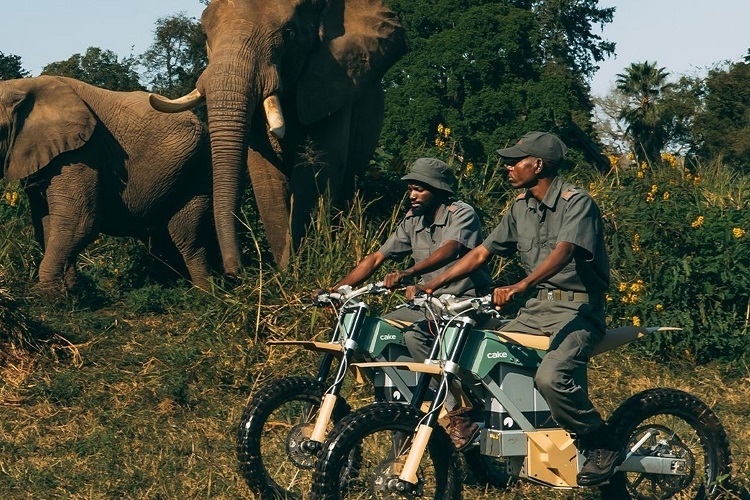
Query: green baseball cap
[[432, 172], [542, 145]]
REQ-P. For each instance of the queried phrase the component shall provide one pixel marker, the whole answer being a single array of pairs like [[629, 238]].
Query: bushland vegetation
[[134, 386]]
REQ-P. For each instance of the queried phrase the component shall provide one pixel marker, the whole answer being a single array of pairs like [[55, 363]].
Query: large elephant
[[321, 62], [95, 161]]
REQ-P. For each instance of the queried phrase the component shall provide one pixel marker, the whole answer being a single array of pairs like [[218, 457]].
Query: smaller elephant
[[94, 161]]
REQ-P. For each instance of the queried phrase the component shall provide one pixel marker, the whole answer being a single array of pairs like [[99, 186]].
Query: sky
[[683, 36]]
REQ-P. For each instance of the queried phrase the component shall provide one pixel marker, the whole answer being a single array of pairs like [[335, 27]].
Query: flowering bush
[[679, 255]]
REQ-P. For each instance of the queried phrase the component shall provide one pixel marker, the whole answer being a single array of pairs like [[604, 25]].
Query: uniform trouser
[[562, 379], [419, 336]]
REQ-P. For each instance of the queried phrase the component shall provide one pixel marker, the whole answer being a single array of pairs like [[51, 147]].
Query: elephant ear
[[48, 119], [355, 51]]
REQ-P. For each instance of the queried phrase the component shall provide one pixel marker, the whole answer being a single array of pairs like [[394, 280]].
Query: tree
[[98, 67], [10, 67], [491, 73], [722, 127], [644, 85], [177, 57]]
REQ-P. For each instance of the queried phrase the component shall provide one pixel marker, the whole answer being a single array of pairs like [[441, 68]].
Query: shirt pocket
[[420, 253], [525, 248]]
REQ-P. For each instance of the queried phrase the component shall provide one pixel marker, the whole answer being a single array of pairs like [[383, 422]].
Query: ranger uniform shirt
[[455, 222], [566, 213]]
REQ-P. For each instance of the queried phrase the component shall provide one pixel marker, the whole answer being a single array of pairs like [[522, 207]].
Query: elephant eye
[[289, 33]]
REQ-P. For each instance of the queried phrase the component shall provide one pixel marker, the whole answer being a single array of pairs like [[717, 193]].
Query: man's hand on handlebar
[[413, 291], [392, 280], [504, 294]]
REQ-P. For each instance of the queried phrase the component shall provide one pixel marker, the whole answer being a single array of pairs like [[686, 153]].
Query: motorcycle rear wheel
[[686, 428]]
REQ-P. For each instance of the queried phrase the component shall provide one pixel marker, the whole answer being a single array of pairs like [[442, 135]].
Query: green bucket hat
[[432, 172]]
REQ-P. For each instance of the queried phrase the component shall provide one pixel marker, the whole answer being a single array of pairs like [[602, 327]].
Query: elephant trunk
[[227, 126]]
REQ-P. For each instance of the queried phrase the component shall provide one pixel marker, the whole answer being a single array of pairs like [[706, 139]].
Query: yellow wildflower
[[440, 129], [650, 198], [696, 179], [636, 321], [636, 242], [639, 174], [698, 222], [738, 232], [622, 287], [659, 307], [608, 298], [446, 131], [469, 167], [637, 286], [654, 188], [665, 196]]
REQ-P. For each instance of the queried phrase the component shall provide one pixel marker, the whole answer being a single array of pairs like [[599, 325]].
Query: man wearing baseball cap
[[557, 230], [436, 232]]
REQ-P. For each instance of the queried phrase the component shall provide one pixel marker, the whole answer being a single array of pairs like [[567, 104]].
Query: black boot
[[604, 455]]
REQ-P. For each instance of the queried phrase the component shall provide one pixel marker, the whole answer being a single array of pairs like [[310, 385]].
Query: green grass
[[145, 405], [134, 389]]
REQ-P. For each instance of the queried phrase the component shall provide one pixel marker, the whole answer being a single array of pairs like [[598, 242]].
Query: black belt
[[563, 295]]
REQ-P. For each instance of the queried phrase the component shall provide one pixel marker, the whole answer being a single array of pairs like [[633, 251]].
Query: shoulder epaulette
[[521, 196], [452, 207], [566, 195]]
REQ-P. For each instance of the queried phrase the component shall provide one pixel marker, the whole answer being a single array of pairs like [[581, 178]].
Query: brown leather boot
[[461, 429]]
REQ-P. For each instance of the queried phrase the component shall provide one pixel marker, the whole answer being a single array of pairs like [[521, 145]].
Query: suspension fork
[[331, 396], [427, 425]]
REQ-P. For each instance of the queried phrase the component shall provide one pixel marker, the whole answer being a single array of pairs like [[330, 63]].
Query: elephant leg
[[319, 171], [271, 189], [189, 231], [72, 222], [39, 214], [366, 124]]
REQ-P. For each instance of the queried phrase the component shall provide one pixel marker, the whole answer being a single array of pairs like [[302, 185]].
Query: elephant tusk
[[183, 103], [274, 117]]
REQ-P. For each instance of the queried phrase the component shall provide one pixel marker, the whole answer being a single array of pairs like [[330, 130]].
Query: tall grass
[[143, 393]]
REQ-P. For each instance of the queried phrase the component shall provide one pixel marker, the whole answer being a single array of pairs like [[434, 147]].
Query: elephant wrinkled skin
[[293, 91], [95, 161]]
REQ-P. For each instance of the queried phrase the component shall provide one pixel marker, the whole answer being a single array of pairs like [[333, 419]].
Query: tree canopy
[[11, 68], [177, 57], [722, 126], [99, 67], [499, 69]]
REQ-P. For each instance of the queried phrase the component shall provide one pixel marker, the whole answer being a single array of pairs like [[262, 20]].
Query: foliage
[[492, 73], [100, 68], [177, 57], [11, 68], [677, 243], [721, 127], [644, 85]]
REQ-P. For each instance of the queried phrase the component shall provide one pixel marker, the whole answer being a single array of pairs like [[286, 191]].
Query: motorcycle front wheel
[[676, 424], [275, 425], [383, 432]]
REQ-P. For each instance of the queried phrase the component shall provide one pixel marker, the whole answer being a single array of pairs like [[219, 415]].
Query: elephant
[[94, 161], [293, 92]]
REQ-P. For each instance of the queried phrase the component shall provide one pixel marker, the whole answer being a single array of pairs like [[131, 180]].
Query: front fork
[[426, 427], [328, 403]]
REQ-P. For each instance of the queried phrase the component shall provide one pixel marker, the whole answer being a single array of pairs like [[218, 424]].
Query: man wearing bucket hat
[[557, 230], [436, 233]]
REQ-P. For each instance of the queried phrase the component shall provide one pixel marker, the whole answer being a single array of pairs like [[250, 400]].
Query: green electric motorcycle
[[677, 447]]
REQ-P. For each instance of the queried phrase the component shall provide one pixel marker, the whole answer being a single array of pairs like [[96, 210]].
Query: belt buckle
[[550, 295]]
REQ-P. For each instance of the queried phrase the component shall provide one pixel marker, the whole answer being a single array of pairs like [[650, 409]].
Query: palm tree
[[644, 85]]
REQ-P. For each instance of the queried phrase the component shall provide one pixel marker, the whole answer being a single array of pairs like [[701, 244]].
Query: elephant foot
[[50, 291]]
